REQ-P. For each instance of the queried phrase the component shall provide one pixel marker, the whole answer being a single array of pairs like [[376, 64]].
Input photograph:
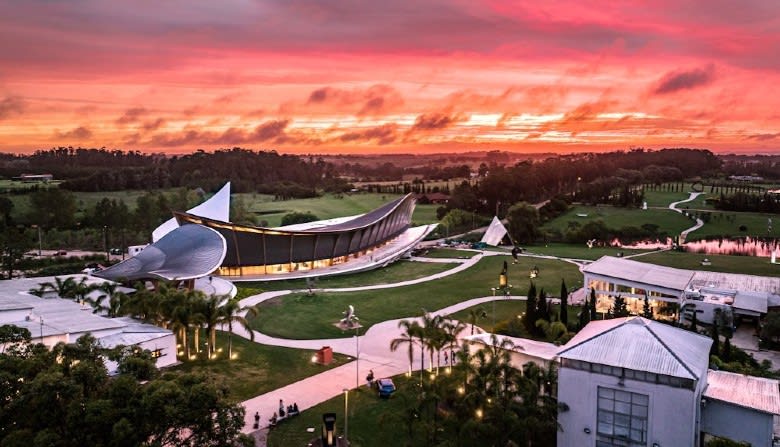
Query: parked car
[[386, 387]]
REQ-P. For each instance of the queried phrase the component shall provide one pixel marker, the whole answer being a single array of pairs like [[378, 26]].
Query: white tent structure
[[217, 207], [495, 232]]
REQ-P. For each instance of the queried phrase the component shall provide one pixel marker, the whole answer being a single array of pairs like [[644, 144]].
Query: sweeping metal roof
[[752, 392], [187, 252]]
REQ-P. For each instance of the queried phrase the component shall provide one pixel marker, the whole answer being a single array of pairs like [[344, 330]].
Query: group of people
[[284, 412]]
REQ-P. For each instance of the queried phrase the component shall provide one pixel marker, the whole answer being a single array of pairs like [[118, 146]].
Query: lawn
[[578, 251], [393, 273], [668, 221], [505, 311], [329, 206], [372, 421], [449, 253], [727, 224], [300, 316], [663, 198], [748, 265], [258, 368]]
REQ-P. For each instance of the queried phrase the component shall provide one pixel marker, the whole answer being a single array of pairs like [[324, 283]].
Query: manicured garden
[[300, 316], [448, 253], [257, 368], [393, 273]]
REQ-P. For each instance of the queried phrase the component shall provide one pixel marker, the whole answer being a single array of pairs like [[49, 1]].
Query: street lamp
[[40, 240], [503, 286], [346, 416]]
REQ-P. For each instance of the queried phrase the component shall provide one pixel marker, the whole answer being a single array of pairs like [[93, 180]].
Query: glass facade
[[622, 418]]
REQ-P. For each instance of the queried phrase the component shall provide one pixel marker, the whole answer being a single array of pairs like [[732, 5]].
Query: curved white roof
[[217, 207], [187, 252]]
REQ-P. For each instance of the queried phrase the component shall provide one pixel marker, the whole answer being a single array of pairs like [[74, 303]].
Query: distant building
[[435, 198], [671, 290], [35, 178], [633, 382]]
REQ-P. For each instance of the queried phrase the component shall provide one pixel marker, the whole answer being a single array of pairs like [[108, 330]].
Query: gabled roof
[[642, 345], [640, 272], [217, 207], [495, 232], [752, 392]]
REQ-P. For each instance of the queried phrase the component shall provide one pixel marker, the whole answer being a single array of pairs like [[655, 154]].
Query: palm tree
[[209, 308], [452, 328], [184, 316], [114, 297], [232, 312], [411, 328], [476, 314]]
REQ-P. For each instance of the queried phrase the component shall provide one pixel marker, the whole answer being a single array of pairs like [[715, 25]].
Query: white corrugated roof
[[641, 272], [755, 301], [543, 350], [736, 281], [642, 345], [753, 392], [495, 232]]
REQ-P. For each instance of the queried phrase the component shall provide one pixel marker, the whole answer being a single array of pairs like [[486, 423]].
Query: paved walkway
[[699, 222]]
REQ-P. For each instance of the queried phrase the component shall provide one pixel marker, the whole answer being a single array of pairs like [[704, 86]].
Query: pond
[[746, 246]]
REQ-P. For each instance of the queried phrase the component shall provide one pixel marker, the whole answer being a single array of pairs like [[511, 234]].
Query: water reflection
[[743, 246]]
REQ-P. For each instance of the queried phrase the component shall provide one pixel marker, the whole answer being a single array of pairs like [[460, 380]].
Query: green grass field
[[329, 206], [727, 223], [578, 251], [748, 265], [449, 253], [663, 198], [372, 421], [667, 220], [393, 273], [299, 316], [258, 368]]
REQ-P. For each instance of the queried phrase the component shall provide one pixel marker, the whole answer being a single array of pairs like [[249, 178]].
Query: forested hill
[[103, 170]]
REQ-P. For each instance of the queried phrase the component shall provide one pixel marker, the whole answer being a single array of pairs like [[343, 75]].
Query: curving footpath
[[699, 222], [373, 347]]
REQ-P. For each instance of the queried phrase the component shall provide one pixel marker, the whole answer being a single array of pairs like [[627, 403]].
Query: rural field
[[300, 316], [579, 251], [667, 220], [328, 206], [728, 223]]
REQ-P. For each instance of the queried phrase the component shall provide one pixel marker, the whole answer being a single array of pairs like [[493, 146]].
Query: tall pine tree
[[584, 317], [542, 312], [564, 315], [529, 321], [619, 307], [647, 311], [592, 306]]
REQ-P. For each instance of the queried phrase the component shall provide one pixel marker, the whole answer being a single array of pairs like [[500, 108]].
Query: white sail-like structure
[[495, 232], [217, 207]]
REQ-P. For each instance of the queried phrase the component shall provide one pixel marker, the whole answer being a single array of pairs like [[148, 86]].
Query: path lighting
[[314, 358], [461, 390], [346, 416], [478, 413]]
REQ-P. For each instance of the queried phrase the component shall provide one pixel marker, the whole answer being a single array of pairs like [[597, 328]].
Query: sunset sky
[[321, 76]]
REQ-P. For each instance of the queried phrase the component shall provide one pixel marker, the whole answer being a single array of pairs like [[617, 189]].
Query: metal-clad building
[[262, 251]]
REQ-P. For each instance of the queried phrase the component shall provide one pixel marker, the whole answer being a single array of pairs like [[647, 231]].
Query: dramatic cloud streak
[[406, 75]]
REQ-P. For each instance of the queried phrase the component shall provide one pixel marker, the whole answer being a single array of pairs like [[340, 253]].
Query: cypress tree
[[530, 309], [564, 316], [715, 349], [694, 321], [647, 311], [584, 317], [592, 306], [543, 312], [727, 350]]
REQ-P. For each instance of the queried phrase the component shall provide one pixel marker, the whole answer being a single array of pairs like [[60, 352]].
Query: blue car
[[386, 387]]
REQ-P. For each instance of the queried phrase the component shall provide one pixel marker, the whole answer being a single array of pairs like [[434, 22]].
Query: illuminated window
[[622, 418], [157, 353]]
